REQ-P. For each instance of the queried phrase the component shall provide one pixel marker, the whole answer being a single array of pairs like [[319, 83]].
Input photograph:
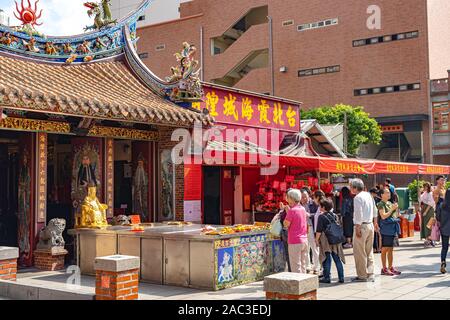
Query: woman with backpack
[[443, 217], [389, 229], [327, 238]]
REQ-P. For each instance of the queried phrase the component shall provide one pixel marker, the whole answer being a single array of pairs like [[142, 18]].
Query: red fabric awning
[[324, 164]]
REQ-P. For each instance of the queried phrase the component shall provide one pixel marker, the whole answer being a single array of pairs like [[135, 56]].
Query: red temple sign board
[[235, 108]]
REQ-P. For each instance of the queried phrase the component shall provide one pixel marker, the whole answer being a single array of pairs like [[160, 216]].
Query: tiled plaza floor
[[420, 280]]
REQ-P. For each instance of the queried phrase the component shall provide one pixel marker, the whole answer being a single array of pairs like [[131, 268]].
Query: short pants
[[387, 241]]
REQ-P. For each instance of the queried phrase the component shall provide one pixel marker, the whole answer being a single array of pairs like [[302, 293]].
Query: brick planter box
[[291, 286], [8, 263], [50, 260], [117, 278]]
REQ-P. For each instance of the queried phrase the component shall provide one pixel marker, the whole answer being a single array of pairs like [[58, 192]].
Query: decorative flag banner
[[346, 166], [396, 168], [426, 169]]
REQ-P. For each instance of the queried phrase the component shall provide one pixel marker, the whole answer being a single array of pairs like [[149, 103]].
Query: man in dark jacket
[[443, 216]]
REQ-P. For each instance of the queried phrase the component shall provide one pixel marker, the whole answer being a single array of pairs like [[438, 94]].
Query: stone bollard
[[291, 286], [117, 277], [8, 263]]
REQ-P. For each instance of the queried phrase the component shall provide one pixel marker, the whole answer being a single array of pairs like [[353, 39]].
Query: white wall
[[158, 11]]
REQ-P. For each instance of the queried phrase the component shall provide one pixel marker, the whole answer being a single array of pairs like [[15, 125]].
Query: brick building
[[440, 96], [321, 52]]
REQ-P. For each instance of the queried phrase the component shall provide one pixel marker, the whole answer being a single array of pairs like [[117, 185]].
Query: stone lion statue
[[121, 220], [51, 235]]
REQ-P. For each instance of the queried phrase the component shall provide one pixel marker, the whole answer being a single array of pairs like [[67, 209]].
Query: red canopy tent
[[329, 164]]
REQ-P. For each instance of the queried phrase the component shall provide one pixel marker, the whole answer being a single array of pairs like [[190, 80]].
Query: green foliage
[[447, 185], [414, 189], [361, 128]]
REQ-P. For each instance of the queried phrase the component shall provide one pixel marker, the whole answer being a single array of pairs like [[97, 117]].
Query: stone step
[[20, 291]]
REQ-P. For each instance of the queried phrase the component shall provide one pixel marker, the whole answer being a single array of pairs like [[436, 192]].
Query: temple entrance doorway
[[16, 181], [72, 164], [133, 183]]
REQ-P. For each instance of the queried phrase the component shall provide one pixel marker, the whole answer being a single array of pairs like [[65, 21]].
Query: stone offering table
[[182, 256]]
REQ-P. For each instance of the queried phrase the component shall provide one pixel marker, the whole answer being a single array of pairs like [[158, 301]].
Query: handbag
[[276, 227], [390, 227], [334, 231], [431, 223], [436, 232]]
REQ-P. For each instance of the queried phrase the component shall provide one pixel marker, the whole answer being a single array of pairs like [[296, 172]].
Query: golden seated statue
[[93, 213]]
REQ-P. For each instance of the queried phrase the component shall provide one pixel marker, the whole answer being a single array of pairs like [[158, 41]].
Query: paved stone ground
[[420, 280]]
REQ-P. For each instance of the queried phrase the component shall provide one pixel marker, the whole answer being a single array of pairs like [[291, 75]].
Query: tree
[[361, 128]]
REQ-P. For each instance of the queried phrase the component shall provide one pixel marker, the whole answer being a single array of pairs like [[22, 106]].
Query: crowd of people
[[315, 234]]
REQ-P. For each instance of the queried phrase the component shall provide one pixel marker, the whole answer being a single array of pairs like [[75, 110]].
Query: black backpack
[[334, 231]]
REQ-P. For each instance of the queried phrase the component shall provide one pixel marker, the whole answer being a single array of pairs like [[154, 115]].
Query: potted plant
[[414, 188]]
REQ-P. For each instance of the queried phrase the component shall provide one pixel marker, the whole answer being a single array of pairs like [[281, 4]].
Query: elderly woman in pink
[[297, 224]]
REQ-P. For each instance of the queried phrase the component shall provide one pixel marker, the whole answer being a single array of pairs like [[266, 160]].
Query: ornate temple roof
[[98, 74]]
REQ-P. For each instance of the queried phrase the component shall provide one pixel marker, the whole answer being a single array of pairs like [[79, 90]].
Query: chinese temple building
[[84, 110]]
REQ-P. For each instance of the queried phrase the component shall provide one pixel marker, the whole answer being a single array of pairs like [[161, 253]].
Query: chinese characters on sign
[[434, 170], [246, 110], [42, 176], [110, 176], [392, 128]]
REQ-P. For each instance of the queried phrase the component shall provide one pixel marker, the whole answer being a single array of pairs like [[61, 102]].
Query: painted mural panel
[[24, 209], [279, 259], [247, 259], [225, 260], [167, 169]]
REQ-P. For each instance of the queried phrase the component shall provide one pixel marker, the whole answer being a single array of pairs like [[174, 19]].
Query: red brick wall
[[8, 269], [281, 296], [370, 66], [119, 286], [398, 62]]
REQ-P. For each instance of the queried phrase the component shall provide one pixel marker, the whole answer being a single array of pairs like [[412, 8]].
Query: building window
[[288, 23], [318, 24], [143, 55], [318, 71], [141, 18], [441, 117], [387, 89], [386, 38], [160, 47]]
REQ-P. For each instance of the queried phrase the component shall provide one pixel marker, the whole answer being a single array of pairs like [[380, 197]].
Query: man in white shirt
[[365, 221]]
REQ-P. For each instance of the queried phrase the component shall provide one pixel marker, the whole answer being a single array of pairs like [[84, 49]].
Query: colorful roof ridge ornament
[[29, 17], [186, 74], [98, 45], [102, 15]]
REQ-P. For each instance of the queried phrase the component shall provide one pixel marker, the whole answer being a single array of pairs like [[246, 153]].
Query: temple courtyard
[[420, 280]]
